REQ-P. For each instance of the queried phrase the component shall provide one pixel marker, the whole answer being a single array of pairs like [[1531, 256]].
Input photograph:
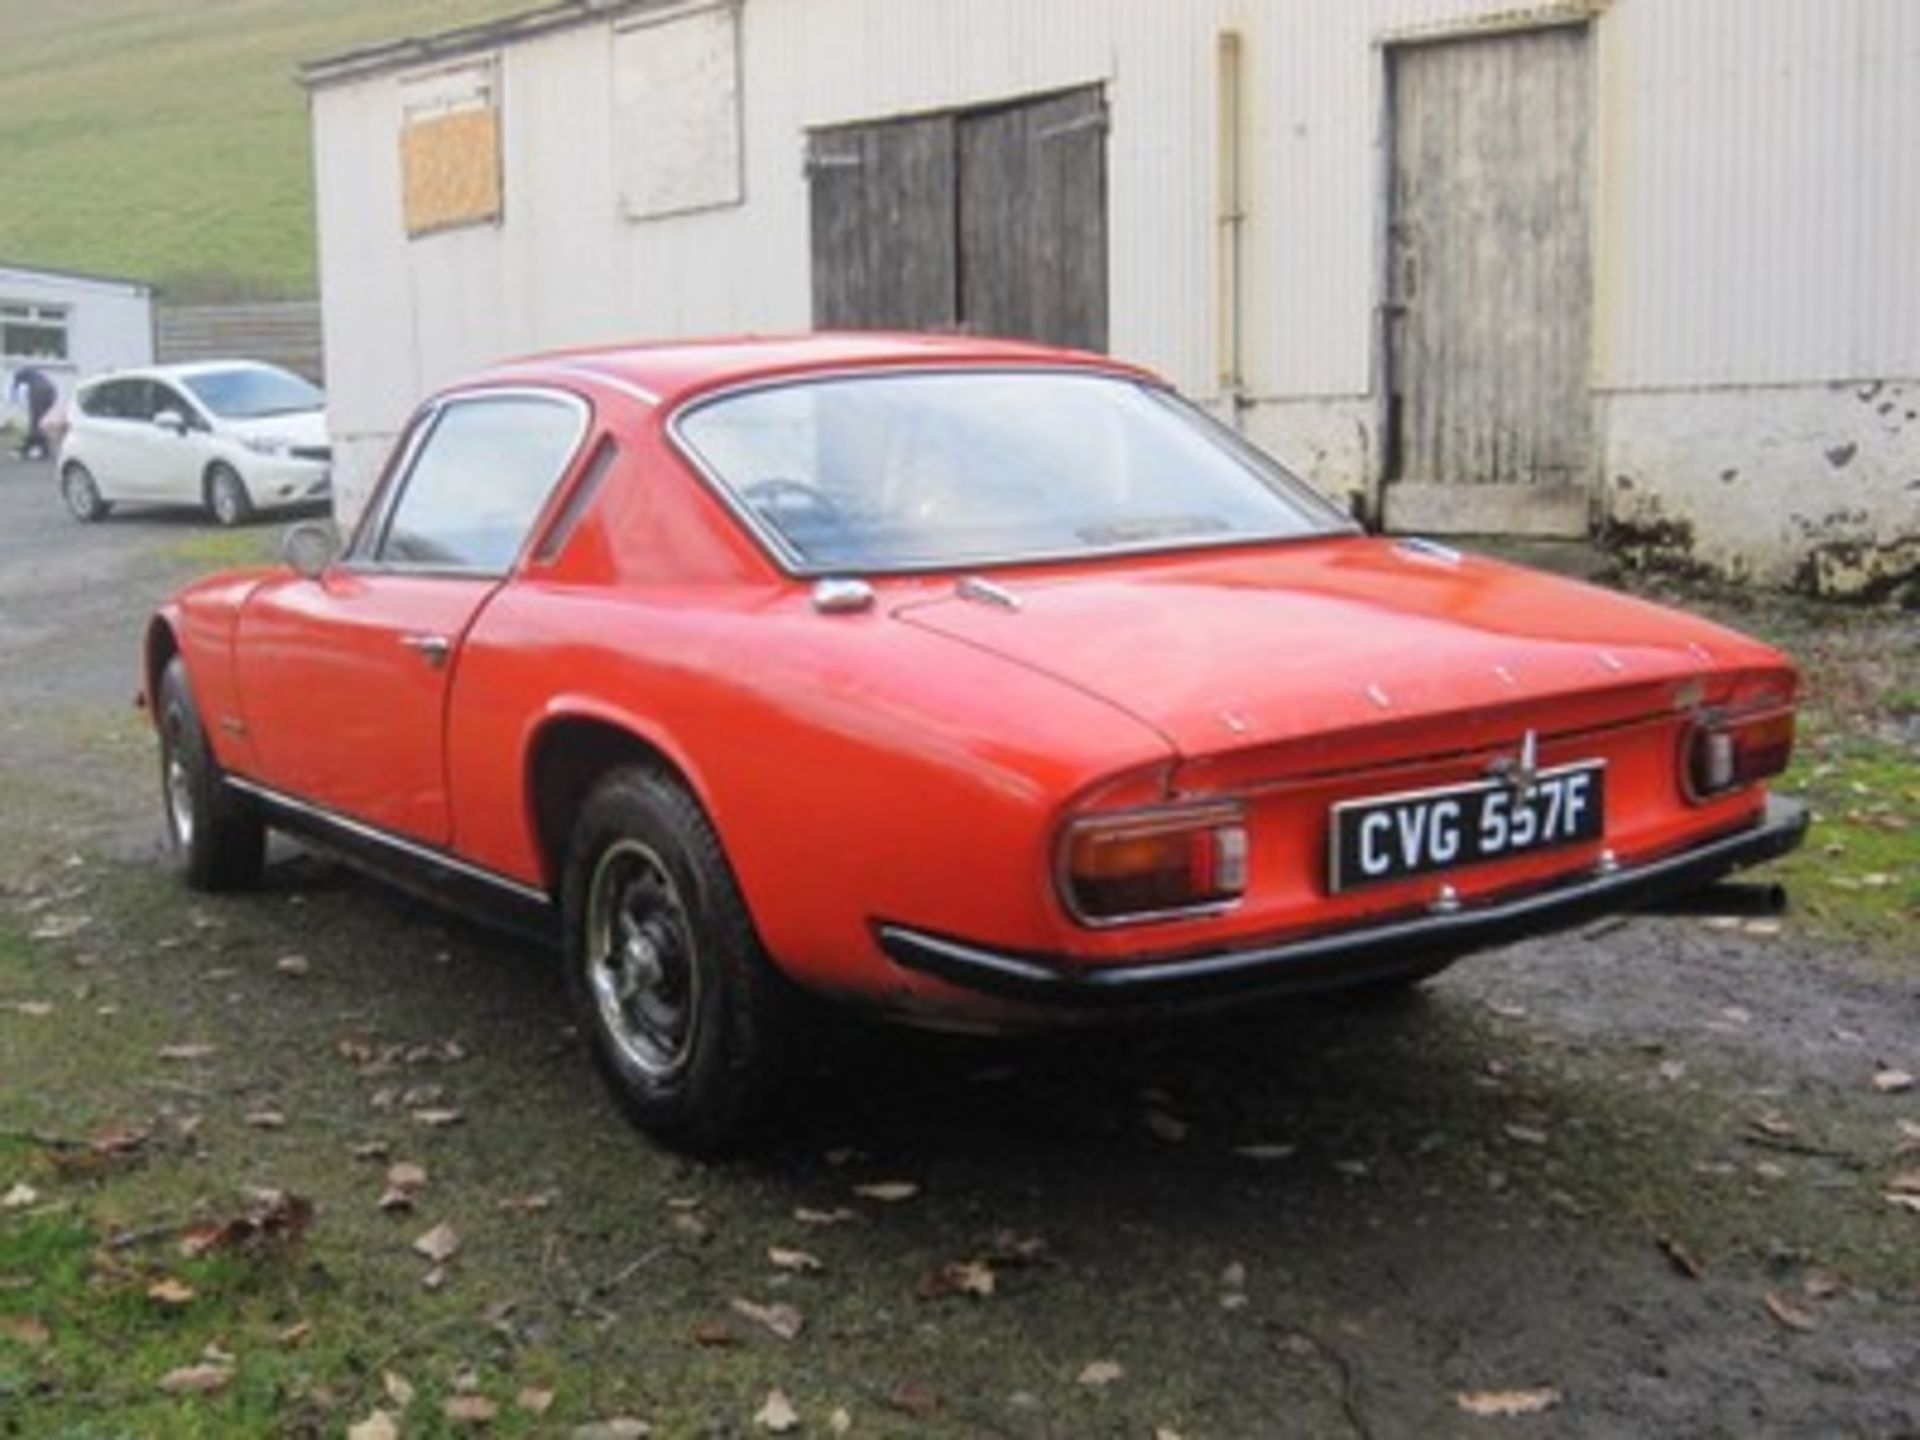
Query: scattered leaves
[[377, 1426], [1787, 1313], [169, 1292], [888, 1192], [911, 1397], [1507, 1403], [471, 1410], [203, 1379], [777, 1416], [440, 1244], [798, 1262], [782, 1319], [275, 1222], [958, 1277], [1681, 1258]]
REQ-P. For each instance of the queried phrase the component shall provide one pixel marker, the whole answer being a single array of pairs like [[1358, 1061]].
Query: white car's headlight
[[267, 445]]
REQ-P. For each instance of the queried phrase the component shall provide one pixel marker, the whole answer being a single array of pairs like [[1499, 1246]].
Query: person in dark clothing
[[33, 387]]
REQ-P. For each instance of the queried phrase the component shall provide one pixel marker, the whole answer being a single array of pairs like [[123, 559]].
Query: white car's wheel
[[82, 494], [227, 497]]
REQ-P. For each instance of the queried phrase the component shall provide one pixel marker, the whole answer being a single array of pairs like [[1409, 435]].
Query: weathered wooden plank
[[1491, 269], [1033, 219], [884, 234]]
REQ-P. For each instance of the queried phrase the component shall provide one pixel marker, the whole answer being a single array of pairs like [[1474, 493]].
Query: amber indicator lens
[[1724, 755], [1149, 868]]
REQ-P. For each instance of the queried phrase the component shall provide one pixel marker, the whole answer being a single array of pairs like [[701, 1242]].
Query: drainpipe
[[1230, 221]]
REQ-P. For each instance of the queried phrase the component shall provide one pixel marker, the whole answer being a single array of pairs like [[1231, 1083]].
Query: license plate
[[1390, 837]]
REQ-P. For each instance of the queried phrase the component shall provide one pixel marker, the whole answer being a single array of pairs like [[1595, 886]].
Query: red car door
[[346, 679]]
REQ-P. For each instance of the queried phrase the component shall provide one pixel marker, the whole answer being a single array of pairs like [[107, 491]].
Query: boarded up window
[[676, 123], [450, 149]]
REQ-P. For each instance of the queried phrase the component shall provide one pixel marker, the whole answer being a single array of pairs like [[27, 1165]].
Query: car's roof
[[672, 370], [184, 371]]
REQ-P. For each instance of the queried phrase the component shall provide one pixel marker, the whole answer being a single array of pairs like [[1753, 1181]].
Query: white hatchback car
[[232, 436]]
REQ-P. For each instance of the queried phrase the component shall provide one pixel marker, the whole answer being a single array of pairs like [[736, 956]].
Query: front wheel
[[82, 493], [218, 838], [227, 497], [684, 1013]]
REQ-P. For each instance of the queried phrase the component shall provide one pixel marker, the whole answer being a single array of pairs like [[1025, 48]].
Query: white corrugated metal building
[[1644, 265], [70, 326]]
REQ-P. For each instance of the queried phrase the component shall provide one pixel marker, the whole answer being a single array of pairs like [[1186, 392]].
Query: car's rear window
[[872, 473]]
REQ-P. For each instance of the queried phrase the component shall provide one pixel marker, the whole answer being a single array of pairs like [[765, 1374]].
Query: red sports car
[[979, 684]]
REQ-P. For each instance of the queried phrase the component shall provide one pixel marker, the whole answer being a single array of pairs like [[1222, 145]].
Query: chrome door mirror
[[310, 547], [172, 421]]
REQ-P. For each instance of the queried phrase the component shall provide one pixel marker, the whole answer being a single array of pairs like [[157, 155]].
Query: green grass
[[1859, 874], [169, 141]]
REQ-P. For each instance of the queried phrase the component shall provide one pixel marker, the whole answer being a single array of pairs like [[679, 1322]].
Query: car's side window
[[479, 480], [115, 400], [165, 397]]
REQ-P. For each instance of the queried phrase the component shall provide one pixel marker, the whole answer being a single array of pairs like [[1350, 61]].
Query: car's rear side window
[[119, 400], [479, 481]]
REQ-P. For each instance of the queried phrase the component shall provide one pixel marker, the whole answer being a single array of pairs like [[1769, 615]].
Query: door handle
[[431, 648]]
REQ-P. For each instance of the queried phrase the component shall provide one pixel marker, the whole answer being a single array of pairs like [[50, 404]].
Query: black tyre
[[227, 498], [219, 840], [82, 493], [687, 1020]]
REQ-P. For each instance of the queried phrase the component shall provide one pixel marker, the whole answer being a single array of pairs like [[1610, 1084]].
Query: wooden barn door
[[991, 220], [1490, 286]]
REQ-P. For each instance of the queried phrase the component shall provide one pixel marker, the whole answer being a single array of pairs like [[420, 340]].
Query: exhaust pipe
[[1730, 897]]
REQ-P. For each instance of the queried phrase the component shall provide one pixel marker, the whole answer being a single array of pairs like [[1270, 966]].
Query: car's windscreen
[[253, 394], [871, 473]]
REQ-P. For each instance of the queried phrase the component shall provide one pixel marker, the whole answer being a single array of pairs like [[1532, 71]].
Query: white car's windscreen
[[253, 392], [871, 473]]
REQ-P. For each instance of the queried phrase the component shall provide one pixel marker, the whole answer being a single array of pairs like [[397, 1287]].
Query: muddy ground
[[1640, 1175]]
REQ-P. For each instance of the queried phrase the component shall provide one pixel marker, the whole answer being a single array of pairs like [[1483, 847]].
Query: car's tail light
[[1725, 752], [1139, 867]]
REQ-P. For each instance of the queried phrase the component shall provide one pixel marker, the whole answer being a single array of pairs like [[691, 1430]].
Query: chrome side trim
[[612, 382], [320, 816]]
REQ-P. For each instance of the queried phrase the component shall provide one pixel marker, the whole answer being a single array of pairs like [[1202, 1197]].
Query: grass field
[[168, 141]]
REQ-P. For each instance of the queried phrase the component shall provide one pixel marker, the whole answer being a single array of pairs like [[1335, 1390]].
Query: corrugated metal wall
[[1758, 201], [284, 333]]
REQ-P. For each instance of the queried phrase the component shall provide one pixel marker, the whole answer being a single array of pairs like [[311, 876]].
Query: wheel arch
[[566, 757], [159, 650], [216, 463]]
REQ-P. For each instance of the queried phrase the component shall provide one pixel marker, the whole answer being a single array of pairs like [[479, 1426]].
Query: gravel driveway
[[1635, 1180]]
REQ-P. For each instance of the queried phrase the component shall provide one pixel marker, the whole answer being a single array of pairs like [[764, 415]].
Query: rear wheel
[[219, 840], [687, 1020], [82, 493], [227, 497]]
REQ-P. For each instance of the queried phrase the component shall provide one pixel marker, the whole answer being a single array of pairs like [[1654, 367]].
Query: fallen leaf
[[799, 1262], [527, 1204], [1762, 929], [32, 1009], [1892, 1082], [1100, 1373], [1820, 1285], [958, 1277], [196, 1380], [777, 1415], [276, 1222], [295, 1335], [840, 1422], [434, 1280], [119, 1140], [294, 965], [782, 1319], [714, 1334], [1905, 1202], [1525, 1134], [440, 1244], [397, 1388], [170, 1292], [377, 1426], [437, 1117], [822, 1218], [19, 1197], [534, 1400], [185, 1052], [266, 1119], [1777, 1125], [1508, 1402], [691, 1226], [470, 1410], [405, 1180], [890, 1192], [621, 1427], [1907, 1182], [372, 1150], [915, 1398], [1162, 1126], [27, 1330], [1681, 1258], [1787, 1313], [1266, 1153]]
